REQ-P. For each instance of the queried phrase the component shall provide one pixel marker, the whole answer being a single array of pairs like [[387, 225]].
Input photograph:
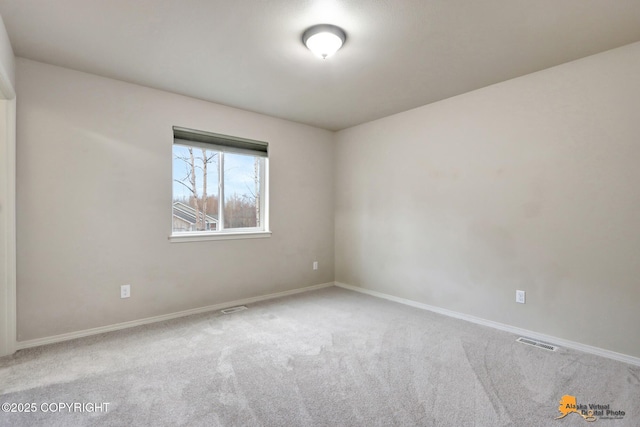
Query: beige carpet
[[324, 358]]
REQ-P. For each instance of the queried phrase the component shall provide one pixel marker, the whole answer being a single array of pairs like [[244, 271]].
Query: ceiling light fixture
[[324, 40]]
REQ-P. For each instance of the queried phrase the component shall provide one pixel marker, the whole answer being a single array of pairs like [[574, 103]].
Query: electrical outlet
[[520, 296], [315, 265], [125, 291]]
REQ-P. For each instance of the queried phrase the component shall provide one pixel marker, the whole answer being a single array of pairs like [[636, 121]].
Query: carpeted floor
[[325, 358]]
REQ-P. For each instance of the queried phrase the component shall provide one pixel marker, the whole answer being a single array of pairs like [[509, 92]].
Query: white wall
[[7, 65], [94, 205], [529, 184], [7, 195]]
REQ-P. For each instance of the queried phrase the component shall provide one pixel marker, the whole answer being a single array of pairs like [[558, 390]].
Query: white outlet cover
[[520, 297], [125, 291]]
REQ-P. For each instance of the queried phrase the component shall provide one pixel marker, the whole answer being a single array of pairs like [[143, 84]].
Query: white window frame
[[201, 140]]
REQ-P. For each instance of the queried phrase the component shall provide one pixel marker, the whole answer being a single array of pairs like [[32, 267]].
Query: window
[[219, 186]]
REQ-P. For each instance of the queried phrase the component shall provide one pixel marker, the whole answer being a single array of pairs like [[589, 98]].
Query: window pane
[[195, 189], [241, 190]]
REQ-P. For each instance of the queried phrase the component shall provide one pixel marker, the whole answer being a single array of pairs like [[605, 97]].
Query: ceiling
[[399, 54]]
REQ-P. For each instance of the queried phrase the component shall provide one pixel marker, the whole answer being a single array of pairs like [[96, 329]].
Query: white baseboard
[[501, 326], [124, 325]]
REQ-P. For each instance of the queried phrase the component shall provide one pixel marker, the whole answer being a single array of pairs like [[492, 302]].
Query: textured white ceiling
[[399, 54]]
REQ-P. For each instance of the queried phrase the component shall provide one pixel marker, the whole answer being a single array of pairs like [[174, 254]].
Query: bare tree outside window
[[195, 178], [241, 191], [197, 202]]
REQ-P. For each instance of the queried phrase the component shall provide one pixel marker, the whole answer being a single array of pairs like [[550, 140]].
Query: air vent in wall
[[233, 309], [538, 344]]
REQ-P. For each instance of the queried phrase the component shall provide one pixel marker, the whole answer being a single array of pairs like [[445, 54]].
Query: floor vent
[[233, 309], [538, 344]]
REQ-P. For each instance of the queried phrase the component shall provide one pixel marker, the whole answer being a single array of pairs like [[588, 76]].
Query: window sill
[[200, 237]]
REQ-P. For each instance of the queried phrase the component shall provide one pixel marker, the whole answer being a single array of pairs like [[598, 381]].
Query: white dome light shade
[[324, 40]]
